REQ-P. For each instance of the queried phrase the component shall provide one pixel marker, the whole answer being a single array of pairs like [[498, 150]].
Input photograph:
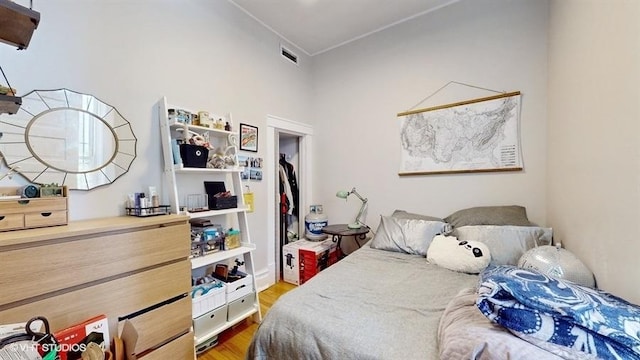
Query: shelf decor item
[[248, 138]]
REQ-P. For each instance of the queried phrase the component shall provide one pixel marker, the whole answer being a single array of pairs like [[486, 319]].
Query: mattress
[[373, 304]]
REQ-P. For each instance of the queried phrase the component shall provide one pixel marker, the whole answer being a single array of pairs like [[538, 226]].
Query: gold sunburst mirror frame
[[67, 138]]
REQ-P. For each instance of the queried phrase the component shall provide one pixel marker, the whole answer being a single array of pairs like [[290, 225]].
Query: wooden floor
[[233, 343]]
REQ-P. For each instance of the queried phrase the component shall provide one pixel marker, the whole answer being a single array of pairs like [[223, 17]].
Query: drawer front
[[241, 306], [11, 222], [167, 321], [113, 298], [179, 349], [83, 260], [49, 218], [212, 320], [239, 288], [32, 205]]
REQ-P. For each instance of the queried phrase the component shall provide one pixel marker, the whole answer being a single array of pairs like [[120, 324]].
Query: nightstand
[[340, 230]]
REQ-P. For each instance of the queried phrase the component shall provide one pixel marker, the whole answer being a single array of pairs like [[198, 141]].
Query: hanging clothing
[[285, 189], [290, 173]]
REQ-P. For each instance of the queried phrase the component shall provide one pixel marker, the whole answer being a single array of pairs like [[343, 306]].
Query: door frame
[[275, 126]]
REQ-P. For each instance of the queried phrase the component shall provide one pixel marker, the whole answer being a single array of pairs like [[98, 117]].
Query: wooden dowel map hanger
[[476, 135]]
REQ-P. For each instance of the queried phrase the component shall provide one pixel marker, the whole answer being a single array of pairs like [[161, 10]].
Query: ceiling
[[316, 26]]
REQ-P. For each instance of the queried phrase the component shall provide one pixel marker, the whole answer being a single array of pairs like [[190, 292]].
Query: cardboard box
[[73, 340], [303, 259], [291, 262]]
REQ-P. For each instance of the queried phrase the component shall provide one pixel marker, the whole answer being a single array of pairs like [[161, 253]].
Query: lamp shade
[[342, 194]]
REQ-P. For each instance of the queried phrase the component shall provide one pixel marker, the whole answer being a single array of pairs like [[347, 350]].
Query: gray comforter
[[373, 304]]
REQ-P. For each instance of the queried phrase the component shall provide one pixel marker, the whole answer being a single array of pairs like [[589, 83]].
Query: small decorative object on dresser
[[51, 190]]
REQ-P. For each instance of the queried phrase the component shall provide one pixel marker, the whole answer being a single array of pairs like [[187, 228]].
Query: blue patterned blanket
[[535, 306]]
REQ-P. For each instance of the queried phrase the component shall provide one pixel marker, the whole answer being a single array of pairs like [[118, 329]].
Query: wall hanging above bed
[[476, 135]]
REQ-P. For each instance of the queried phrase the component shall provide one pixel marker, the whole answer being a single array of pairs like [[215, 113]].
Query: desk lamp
[[344, 195]]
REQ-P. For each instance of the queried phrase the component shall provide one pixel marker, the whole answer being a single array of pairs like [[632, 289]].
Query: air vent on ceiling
[[288, 54]]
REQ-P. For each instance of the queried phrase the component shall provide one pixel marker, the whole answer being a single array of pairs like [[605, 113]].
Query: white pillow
[[507, 243], [462, 256], [411, 236]]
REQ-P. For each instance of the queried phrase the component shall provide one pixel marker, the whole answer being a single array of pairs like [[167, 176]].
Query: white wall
[[203, 55], [594, 137], [360, 87]]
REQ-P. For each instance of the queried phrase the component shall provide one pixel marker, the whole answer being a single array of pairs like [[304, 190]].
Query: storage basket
[[215, 297], [220, 203], [194, 155]]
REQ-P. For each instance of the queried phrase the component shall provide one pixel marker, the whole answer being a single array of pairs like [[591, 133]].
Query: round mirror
[[67, 138]]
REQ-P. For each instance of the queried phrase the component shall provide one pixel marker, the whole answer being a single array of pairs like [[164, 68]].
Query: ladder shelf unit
[[180, 181]]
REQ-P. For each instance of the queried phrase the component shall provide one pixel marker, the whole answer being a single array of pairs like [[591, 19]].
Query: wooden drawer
[[11, 221], [180, 348], [167, 321], [49, 218], [32, 205], [34, 213], [113, 298], [81, 259]]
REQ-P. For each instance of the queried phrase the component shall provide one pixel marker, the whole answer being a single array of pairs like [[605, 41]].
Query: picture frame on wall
[[248, 138]]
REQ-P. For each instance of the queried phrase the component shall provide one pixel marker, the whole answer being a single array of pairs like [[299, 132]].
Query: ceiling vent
[[288, 54]]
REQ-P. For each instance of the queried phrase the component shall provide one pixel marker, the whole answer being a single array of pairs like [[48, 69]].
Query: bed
[[386, 301], [333, 315]]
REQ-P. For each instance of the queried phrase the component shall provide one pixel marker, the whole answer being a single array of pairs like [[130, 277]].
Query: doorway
[[293, 139]]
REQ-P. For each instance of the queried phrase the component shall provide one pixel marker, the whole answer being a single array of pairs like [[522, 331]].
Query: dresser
[[127, 268]]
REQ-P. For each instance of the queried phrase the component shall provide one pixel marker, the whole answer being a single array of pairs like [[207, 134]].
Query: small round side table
[[340, 230]]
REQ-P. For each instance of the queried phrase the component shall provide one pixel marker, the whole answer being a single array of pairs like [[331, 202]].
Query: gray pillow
[[402, 214], [411, 236], [490, 215], [506, 243]]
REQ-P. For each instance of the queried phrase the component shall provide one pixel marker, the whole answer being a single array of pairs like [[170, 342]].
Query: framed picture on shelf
[[248, 138]]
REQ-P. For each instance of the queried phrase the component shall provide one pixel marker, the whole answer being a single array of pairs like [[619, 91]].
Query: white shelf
[[177, 177], [215, 257], [226, 325], [202, 214], [180, 169], [218, 132]]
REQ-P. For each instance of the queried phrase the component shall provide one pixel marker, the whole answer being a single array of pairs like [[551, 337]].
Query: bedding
[[490, 215], [386, 301], [464, 333], [403, 214], [507, 243], [550, 312], [408, 235], [373, 304]]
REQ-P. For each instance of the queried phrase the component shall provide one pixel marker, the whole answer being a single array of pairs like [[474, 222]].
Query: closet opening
[[289, 155]]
